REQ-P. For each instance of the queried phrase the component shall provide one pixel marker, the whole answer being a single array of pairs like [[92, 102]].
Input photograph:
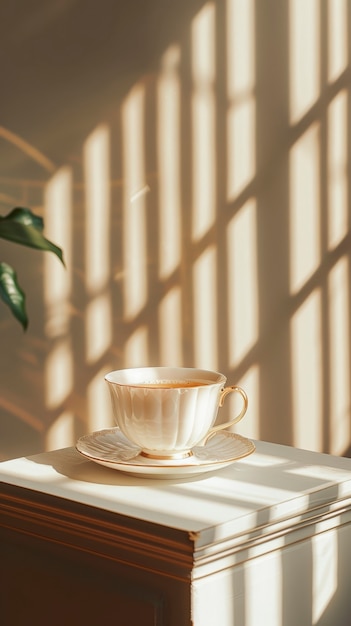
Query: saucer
[[112, 449]]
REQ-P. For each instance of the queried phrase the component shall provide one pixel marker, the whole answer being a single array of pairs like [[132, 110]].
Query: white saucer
[[112, 449]]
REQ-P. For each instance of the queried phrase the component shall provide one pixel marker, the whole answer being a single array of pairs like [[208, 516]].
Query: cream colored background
[[192, 159]]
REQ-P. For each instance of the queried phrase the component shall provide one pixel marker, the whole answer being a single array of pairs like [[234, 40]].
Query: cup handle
[[236, 419]]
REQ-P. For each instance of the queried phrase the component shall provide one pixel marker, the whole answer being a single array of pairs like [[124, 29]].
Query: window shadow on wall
[[200, 191]]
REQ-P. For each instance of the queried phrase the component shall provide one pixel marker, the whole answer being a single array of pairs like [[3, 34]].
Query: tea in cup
[[166, 411]]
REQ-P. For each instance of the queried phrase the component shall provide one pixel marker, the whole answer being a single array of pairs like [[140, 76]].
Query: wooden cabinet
[[262, 542], [68, 563]]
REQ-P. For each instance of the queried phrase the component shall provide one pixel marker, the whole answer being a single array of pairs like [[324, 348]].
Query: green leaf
[[12, 294], [25, 216], [23, 227]]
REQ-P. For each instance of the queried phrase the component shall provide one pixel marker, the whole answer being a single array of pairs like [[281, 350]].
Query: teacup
[[166, 411]]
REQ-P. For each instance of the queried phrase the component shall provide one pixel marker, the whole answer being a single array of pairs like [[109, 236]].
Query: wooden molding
[[81, 527]]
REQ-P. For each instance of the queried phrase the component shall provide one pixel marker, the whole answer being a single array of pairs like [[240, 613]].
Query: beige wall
[[193, 161]]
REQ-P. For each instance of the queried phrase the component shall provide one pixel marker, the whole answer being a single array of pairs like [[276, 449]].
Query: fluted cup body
[[166, 411]]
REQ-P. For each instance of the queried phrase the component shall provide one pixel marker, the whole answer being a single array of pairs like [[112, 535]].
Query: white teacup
[[166, 411]]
